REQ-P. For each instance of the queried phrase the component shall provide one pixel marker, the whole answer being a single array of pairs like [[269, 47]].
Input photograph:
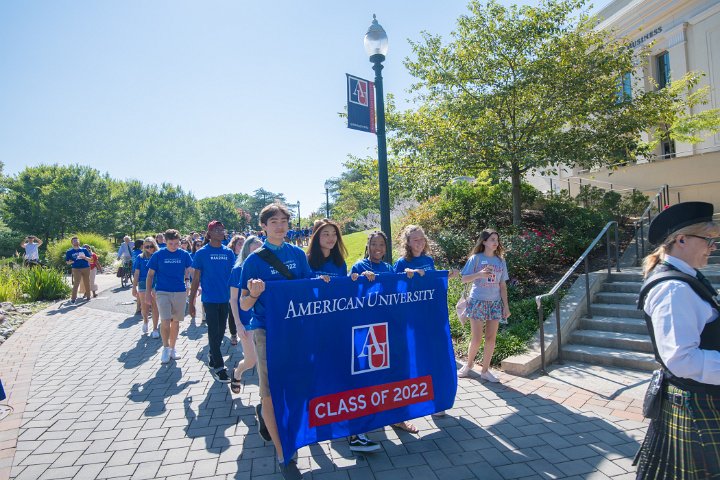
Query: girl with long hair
[[488, 301]]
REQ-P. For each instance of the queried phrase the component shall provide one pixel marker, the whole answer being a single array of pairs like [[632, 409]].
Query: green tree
[[219, 208], [51, 200], [522, 88]]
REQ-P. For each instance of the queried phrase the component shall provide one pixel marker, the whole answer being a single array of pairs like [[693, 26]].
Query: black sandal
[[235, 384]]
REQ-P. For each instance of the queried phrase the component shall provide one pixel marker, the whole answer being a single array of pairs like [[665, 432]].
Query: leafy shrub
[[576, 226], [23, 284], [453, 247], [468, 208], [633, 204], [533, 251], [10, 243], [103, 248]]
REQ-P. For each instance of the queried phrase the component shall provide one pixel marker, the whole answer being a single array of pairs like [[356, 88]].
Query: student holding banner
[[374, 263], [277, 260], [488, 300], [241, 318], [326, 256]]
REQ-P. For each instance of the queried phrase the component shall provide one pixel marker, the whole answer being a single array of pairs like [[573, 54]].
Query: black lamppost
[[376, 46], [327, 198], [298, 207]]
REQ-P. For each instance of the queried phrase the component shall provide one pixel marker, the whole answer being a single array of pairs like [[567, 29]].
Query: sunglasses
[[710, 240], [148, 247]]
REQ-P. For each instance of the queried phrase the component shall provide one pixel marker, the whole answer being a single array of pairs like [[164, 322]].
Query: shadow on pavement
[[130, 321], [143, 351], [163, 385]]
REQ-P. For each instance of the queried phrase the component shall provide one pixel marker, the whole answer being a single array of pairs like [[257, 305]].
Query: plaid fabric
[[684, 443], [484, 310]]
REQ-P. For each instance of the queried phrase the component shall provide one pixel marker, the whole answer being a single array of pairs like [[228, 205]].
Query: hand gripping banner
[[348, 357]]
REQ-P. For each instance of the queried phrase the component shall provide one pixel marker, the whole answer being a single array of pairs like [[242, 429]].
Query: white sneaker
[[174, 354], [155, 334], [464, 371], [145, 328], [165, 357], [489, 377]]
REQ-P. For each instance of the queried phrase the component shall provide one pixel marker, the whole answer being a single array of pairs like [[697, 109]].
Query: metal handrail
[[660, 200], [553, 292]]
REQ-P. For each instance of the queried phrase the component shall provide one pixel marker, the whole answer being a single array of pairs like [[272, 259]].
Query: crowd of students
[[229, 271]]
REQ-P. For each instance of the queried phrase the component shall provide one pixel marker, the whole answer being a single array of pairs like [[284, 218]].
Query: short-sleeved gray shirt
[[486, 288]]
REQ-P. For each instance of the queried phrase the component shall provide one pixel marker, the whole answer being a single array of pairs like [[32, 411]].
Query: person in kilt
[[683, 440]]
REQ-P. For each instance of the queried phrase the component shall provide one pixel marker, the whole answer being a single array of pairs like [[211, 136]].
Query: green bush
[[10, 244], [576, 226], [23, 284], [533, 251], [103, 248]]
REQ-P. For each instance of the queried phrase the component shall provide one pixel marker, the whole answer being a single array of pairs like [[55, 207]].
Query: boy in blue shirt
[[274, 220], [78, 258], [168, 269], [212, 265]]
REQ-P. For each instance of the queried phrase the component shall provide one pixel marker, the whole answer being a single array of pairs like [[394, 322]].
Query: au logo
[[358, 91], [370, 348]]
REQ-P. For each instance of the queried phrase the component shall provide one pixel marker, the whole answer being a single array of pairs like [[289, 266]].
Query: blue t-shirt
[[136, 253], [423, 262], [235, 275], [330, 269], [169, 269], [141, 264], [162, 245], [215, 263], [255, 267], [487, 289], [365, 265], [72, 254]]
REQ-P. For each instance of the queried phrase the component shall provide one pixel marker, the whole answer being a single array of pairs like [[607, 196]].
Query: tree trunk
[[516, 211]]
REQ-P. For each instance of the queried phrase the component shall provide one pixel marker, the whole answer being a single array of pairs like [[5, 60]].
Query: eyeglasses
[[710, 240], [148, 247]]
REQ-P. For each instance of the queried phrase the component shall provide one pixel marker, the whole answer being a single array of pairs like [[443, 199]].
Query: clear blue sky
[[218, 97]]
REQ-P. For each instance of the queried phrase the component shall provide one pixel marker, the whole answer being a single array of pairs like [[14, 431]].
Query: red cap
[[215, 223]]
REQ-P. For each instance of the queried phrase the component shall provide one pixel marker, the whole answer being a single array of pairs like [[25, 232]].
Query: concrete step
[[614, 310], [714, 260], [620, 298], [609, 356], [626, 276], [624, 287], [615, 324], [626, 341]]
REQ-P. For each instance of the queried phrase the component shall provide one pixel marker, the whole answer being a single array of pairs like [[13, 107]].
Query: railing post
[[587, 287], [617, 247], [542, 335], [559, 332], [637, 246], [642, 237], [607, 249]]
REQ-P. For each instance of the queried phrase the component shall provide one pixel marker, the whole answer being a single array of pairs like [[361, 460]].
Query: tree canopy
[[517, 89]]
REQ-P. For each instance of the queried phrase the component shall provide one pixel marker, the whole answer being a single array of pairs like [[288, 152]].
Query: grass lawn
[[355, 243]]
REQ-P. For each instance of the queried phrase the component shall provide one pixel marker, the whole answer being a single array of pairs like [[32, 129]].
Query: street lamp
[[376, 46], [327, 198], [298, 207]]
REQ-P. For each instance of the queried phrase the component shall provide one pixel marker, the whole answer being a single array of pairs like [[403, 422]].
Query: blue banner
[[360, 104], [348, 357]]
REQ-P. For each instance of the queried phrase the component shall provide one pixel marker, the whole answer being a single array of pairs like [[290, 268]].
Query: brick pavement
[[93, 401]]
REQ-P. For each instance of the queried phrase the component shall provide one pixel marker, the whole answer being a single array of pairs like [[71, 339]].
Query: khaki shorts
[[171, 305], [261, 348]]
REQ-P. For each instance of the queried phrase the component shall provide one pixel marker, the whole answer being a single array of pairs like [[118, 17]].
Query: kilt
[[684, 442]]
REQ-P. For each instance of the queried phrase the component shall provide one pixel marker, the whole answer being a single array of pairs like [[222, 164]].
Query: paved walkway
[[91, 400]]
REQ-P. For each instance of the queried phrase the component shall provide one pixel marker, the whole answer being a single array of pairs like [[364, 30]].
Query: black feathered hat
[[676, 217]]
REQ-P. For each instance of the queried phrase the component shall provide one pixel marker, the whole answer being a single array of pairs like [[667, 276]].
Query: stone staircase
[[616, 335]]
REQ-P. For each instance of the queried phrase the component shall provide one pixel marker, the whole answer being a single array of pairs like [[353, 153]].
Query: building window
[[668, 148], [625, 88], [663, 69]]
